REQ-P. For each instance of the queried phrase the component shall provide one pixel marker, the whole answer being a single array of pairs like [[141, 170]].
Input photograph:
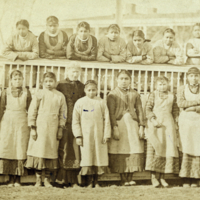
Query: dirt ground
[[139, 192]]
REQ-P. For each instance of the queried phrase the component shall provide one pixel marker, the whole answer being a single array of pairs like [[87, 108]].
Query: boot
[[131, 182], [17, 181], [11, 181], [186, 182], [194, 183], [96, 184], [47, 179], [154, 180], [89, 179], [163, 182], [38, 178]]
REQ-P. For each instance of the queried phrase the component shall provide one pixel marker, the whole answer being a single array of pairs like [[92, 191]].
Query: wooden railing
[[142, 79]]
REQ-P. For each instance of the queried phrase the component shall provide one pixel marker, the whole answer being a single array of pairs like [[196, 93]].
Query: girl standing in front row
[[91, 127], [162, 153], [14, 131], [126, 148], [46, 117]]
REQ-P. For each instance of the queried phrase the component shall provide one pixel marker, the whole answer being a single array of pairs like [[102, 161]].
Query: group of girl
[[69, 127], [54, 43]]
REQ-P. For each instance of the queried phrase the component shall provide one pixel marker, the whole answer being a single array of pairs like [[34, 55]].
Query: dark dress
[[69, 161]]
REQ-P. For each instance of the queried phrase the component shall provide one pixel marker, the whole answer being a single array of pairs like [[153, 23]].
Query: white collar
[[51, 34]]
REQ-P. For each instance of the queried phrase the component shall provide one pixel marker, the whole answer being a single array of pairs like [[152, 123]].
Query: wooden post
[[119, 14]]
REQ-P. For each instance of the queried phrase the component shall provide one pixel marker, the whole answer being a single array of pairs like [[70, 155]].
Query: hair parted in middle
[[49, 75]]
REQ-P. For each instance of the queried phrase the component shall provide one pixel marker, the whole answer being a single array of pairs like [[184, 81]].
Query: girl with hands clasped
[[162, 114], [14, 131], [126, 148], [46, 117], [91, 128]]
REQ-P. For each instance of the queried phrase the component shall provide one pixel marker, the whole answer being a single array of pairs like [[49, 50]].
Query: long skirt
[[160, 164], [190, 166], [68, 157], [12, 167]]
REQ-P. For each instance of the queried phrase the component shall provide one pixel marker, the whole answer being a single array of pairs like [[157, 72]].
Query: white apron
[[189, 127], [129, 142], [14, 131], [47, 122], [163, 139]]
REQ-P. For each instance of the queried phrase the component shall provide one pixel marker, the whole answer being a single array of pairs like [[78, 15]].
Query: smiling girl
[[167, 50], [82, 45]]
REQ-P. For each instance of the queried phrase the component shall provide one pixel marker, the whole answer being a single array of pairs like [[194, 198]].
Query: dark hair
[[16, 73], [138, 33], [49, 75], [88, 82], [114, 26], [23, 22], [169, 30], [193, 70], [84, 25], [52, 19], [161, 79], [124, 72]]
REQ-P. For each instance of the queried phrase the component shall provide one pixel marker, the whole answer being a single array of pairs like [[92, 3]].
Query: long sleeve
[[62, 52], [76, 121], [8, 50], [35, 50], [129, 57], [150, 56], [122, 55], [150, 106], [62, 112], [42, 47], [107, 127], [112, 107], [158, 57], [175, 108], [33, 110], [178, 54], [70, 49], [181, 101], [29, 99], [3, 103], [190, 50], [101, 50], [139, 111]]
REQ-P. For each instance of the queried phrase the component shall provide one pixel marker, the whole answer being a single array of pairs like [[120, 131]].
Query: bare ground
[[139, 192]]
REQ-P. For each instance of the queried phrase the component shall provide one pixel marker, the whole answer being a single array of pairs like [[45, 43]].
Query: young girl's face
[[52, 28], [123, 81], [73, 74], [113, 34], [196, 32], [91, 91], [83, 33], [168, 38], [49, 83], [193, 79], [162, 86], [17, 81], [22, 30], [138, 41]]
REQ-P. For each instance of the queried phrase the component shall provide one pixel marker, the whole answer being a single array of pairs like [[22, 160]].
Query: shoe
[[132, 183], [194, 183], [97, 185], [75, 185], [164, 183], [17, 182], [47, 183], [90, 185], [126, 184], [38, 181], [11, 182], [155, 182], [186, 185]]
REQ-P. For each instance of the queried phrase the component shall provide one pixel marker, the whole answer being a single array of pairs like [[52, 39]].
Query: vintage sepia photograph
[[99, 99]]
